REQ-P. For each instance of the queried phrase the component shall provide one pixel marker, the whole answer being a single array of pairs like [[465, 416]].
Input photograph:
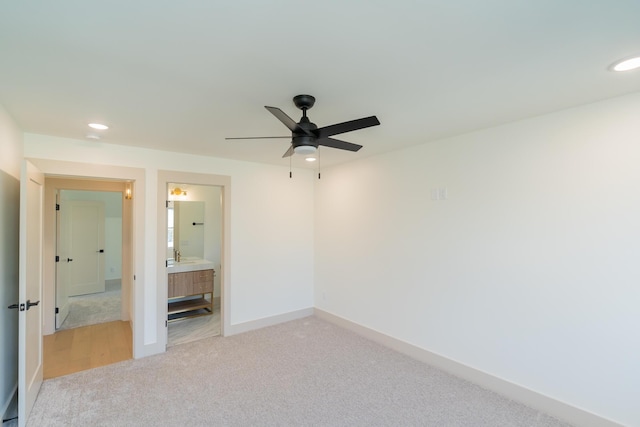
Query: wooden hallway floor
[[87, 347]]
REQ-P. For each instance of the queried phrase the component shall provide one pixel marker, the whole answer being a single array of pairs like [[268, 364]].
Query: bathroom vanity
[[190, 288]]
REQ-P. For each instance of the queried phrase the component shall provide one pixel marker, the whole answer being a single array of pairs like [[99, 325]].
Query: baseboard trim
[[268, 321], [533, 399], [7, 405]]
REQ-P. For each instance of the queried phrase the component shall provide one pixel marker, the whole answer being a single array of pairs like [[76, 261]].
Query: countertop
[[189, 264]]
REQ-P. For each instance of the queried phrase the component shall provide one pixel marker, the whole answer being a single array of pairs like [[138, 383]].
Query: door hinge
[[57, 206], [57, 310], [134, 277], [57, 258], [166, 323], [166, 204]]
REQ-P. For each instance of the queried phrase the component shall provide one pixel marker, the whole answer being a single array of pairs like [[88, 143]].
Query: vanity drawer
[[190, 283], [202, 281], [203, 287], [202, 276], [180, 284]]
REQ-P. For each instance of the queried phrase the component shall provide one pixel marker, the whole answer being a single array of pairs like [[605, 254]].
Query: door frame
[[134, 271], [224, 182]]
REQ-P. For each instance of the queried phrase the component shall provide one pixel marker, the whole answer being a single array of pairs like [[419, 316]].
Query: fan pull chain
[[318, 162], [290, 173]]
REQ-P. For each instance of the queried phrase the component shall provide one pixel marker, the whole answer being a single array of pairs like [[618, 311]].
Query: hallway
[[87, 347]]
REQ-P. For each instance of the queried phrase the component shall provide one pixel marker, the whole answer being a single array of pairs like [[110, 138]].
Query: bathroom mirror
[[186, 228]]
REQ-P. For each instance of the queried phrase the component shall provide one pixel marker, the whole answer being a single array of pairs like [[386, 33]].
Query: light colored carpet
[[97, 308], [302, 373]]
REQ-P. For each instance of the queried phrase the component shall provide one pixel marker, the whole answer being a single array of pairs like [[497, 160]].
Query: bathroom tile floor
[[197, 328]]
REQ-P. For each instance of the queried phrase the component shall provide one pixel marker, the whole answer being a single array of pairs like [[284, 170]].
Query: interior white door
[[84, 226], [62, 268], [30, 272]]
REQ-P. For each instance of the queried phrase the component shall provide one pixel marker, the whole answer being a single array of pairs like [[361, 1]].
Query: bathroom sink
[[189, 264]]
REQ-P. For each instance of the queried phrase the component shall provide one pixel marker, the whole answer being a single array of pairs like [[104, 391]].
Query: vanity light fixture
[[178, 192], [626, 64], [128, 192]]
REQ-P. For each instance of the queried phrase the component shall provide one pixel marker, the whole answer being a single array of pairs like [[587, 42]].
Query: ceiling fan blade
[[260, 137], [336, 143], [352, 125], [282, 116], [288, 153]]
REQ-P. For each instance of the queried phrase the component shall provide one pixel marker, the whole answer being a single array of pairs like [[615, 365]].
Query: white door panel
[[62, 268], [84, 228], [30, 317]]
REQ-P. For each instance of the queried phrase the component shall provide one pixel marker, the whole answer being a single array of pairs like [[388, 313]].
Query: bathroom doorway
[[194, 243], [193, 239]]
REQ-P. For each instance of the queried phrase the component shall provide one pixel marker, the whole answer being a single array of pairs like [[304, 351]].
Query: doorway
[[216, 249], [92, 303], [194, 243], [89, 245]]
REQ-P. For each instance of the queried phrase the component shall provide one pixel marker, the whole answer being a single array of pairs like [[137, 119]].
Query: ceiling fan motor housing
[[304, 102], [305, 136]]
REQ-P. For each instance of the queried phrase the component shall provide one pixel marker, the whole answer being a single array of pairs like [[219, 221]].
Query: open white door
[[62, 267], [30, 317], [83, 223]]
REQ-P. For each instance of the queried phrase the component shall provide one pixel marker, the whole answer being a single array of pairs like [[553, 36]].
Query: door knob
[[69, 259], [22, 306], [31, 304]]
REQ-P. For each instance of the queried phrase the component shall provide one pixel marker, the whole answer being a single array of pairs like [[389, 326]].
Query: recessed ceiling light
[[98, 126], [627, 64], [310, 159]]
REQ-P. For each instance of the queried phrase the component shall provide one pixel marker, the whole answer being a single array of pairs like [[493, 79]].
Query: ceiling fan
[[306, 136]]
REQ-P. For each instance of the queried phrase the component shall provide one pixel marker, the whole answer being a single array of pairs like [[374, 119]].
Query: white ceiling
[[183, 75]]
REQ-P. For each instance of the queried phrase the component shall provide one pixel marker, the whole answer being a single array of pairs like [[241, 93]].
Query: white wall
[[528, 270], [11, 143], [271, 240], [10, 161]]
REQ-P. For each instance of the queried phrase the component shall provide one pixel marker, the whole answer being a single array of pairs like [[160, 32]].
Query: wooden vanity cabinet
[[187, 294]]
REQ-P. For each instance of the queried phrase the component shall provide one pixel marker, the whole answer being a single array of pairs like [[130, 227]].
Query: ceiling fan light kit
[[305, 150], [306, 137]]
